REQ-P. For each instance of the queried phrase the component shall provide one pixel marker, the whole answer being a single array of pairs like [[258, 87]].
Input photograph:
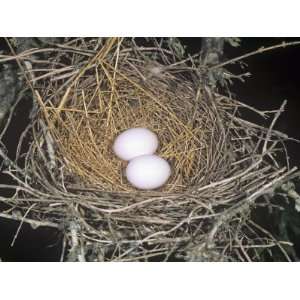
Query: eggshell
[[135, 142], [148, 172]]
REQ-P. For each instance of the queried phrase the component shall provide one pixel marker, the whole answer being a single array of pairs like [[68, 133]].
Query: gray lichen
[[9, 87]]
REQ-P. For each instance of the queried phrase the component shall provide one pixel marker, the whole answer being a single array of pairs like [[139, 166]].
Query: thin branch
[[33, 223], [260, 50]]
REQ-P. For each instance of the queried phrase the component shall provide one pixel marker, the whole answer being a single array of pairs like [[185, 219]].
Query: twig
[[33, 223], [269, 133], [260, 50], [265, 189], [20, 225]]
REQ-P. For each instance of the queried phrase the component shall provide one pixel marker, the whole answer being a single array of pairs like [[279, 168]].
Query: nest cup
[[116, 94], [93, 90]]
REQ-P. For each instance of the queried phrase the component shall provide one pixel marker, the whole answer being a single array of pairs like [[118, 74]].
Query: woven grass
[[88, 92]]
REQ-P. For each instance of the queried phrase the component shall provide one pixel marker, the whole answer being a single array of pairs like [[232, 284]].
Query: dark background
[[275, 77]]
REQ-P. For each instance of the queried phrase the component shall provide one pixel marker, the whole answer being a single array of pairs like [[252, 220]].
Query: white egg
[[148, 172], [135, 142]]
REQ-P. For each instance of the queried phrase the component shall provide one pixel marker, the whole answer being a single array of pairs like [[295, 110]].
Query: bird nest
[[90, 90]]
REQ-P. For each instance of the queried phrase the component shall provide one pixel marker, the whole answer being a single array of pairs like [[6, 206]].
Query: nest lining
[[221, 163]]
